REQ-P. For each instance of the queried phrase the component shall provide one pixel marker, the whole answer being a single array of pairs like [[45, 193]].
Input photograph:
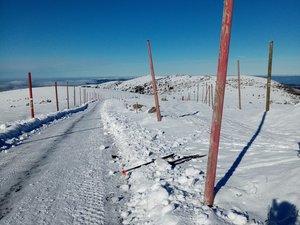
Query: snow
[[16, 132], [258, 164]]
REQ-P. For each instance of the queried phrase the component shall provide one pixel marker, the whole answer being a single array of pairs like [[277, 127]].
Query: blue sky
[[79, 38]]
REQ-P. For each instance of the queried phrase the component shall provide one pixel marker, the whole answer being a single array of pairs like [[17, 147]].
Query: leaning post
[[218, 104], [154, 83]]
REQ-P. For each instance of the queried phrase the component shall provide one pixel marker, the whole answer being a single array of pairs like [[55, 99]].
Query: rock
[[152, 110]]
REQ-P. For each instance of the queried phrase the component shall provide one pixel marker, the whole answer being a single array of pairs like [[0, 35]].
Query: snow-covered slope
[[258, 165], [258, 159]]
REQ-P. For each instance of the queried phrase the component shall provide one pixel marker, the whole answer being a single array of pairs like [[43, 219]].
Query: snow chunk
[[237, 218], [124, 187], [191, 172], [162, 165], [158, 195], [102, 147], [168, 220]]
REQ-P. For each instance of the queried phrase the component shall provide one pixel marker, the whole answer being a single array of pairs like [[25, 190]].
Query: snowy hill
[[257, 173]]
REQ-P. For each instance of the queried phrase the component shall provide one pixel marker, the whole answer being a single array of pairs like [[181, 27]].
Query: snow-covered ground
[[258, 166]]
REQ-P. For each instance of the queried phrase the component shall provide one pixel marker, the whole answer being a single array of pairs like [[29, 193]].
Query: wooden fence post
[[56, 96], [209, 95], [154, 83], [198, 92], [68, 101], [79, 95], [205, 93], [202, 94], [30, 95], [269, 76], [218, 104], [74, 97], [212, 95]]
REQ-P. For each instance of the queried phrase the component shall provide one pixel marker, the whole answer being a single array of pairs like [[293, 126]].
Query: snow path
[[59, 176]]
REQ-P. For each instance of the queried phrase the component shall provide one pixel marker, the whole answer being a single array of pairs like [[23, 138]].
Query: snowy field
[[258, 167]]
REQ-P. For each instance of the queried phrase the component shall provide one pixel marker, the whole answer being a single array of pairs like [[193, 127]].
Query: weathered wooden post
[[56, 96], [30, 95], [218, 104], [154, 83], [68, 101], [269, 76], [239, 84]]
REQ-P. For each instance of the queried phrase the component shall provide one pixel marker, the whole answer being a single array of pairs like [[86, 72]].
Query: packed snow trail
[[60, 176]]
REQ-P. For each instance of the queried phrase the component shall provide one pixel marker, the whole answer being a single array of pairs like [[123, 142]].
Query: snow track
[[59, 176]]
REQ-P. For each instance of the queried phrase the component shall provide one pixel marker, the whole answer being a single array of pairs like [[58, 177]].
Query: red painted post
[[154, 83], [68, 95], [56, 96], [239, 84], [218, 104], [30, 95]]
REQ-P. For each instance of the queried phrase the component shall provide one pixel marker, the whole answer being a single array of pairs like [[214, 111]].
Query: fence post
[[205, 93], [202, 93], [212, 95], [30, 95], [269, 76], [209, 95], [68, 95], [239, 84], [79, 95], [198, 92], [154, 83], [74, 97], [56, 96], [218, 104]]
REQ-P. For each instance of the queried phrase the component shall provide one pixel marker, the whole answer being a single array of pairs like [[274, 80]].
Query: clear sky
[[78, 38]]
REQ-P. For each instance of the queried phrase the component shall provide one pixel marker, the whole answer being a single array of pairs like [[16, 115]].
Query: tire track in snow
[[5, 207], [71, 185]]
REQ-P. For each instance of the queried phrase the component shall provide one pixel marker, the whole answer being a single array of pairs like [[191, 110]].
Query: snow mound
[[13, 132]]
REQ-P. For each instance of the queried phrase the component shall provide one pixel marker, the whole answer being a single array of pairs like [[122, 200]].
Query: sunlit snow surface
[[258, 166]]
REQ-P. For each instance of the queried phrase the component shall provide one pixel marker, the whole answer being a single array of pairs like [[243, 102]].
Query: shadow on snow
[[236, 163], [282, 213]]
